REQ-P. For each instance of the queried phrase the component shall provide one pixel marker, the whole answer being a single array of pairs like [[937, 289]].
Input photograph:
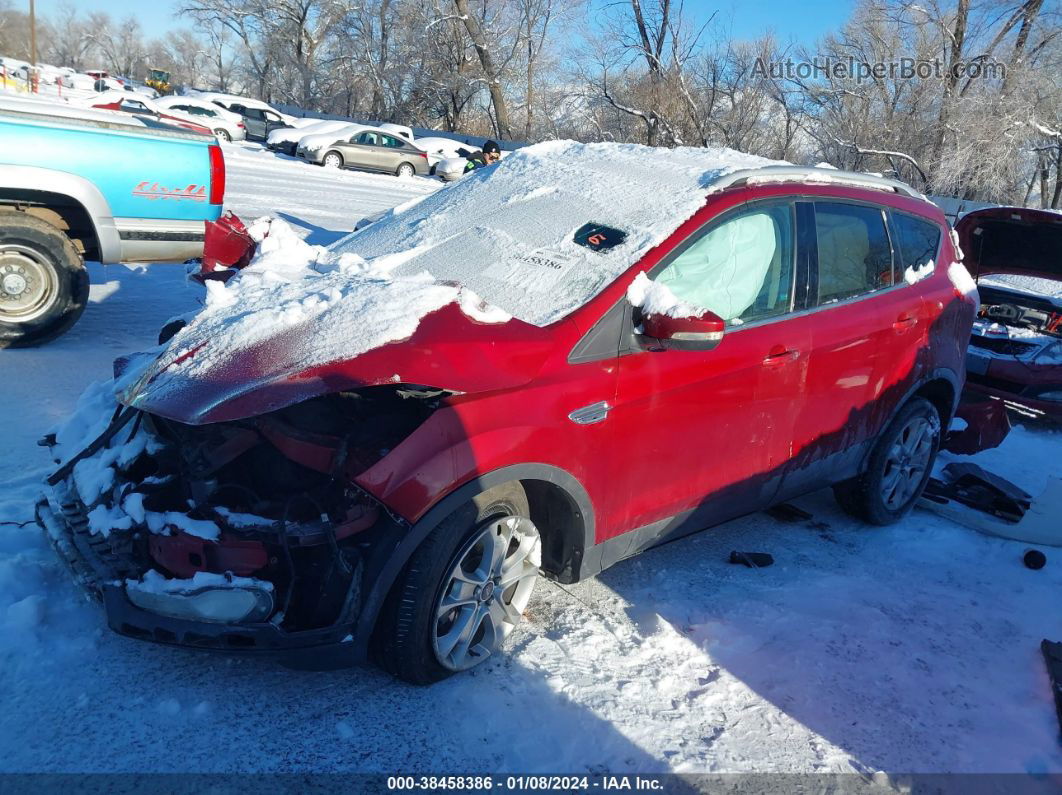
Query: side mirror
[[700, 333]]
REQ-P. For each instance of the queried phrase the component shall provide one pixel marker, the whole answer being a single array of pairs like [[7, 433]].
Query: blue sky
[[801, 20]]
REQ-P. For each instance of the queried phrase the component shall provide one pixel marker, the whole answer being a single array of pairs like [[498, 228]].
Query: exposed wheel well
[[561, 525], [941, 394], [60, 211]]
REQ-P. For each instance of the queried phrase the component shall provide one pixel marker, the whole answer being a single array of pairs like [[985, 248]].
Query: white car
[[453, 168], [78, 81], [439, 149], [286, 139], [226, 101], [311, 148], [227, 126]]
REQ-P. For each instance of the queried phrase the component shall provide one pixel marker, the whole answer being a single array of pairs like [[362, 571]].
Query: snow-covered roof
[[508, 232]]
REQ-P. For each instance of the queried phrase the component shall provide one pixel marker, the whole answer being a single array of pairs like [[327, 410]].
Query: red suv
[[658, 342]]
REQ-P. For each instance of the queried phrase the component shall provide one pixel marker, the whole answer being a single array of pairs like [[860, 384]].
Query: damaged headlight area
[[240, 534]]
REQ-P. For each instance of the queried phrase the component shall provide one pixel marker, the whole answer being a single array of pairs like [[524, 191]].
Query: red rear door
[[869, 326]]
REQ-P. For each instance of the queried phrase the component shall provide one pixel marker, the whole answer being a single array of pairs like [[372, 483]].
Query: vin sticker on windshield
[[536, 271]]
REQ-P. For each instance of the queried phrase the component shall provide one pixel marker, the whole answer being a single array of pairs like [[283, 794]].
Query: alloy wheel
[[906, 463], [331, 160], [485, 592]]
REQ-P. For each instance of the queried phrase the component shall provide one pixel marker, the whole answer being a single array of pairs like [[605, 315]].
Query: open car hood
[[1012, 240], [448, 351]]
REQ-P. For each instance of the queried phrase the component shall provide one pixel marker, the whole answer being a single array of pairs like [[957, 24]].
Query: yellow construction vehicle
[[159, 80]]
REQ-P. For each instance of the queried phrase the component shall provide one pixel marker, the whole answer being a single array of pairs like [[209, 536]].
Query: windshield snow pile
[[508, 232]]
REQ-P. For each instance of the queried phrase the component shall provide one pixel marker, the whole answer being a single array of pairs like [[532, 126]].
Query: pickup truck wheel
[[43, 282], [463, 591], [406, 170], [898, 468], [332, 160]]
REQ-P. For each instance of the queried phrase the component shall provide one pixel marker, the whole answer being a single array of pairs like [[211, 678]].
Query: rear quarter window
[[917, 241]]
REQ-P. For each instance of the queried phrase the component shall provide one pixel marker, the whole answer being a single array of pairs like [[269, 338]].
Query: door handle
[[779, 355], [905, 321]]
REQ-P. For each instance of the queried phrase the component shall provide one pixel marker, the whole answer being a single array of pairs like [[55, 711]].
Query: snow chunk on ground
[[507, 232], [656, 298], [914, 275]]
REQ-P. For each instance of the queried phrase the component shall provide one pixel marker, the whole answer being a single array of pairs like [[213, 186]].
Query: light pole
[[33, 34]]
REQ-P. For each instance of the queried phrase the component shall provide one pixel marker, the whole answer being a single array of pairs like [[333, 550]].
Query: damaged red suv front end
[[208, 518], [256, 525]]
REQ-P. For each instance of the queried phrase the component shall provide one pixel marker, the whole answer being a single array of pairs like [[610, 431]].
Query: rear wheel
[[43, 283], [463, 591], [332, 160], [898, 468], [406, 170], [223, 135]]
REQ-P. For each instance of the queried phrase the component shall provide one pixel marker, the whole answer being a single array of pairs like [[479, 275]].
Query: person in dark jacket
[[490, 155]]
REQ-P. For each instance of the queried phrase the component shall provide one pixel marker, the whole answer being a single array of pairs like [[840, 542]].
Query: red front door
[[709, 431]]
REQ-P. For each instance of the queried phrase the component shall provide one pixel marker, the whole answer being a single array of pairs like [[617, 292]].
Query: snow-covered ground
[[910, 648]]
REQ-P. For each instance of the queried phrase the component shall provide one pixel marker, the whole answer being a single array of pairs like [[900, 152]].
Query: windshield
[[510, 232]]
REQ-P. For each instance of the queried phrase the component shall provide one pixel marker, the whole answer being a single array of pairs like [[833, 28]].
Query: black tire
[[34, 252], [406, 170], [402, 643], [337, 154], [862, 497], [223, 135]]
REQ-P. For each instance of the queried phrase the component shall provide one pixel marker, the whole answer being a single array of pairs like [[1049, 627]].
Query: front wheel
[[898, 468], [464, 590], [406, 170], [43, 283], [332, 160]]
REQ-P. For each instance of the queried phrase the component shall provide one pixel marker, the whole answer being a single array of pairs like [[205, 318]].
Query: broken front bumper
[[102, 565]]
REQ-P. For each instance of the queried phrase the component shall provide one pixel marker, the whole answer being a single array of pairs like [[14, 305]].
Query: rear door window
[[854, 254], [917, 241]]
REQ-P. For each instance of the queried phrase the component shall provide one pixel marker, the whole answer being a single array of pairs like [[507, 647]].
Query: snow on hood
[[505, 234], [507, 231], [295, 307]]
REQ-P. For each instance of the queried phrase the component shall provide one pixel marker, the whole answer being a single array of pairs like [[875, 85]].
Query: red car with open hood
[[1015, 352], [565, 359]]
